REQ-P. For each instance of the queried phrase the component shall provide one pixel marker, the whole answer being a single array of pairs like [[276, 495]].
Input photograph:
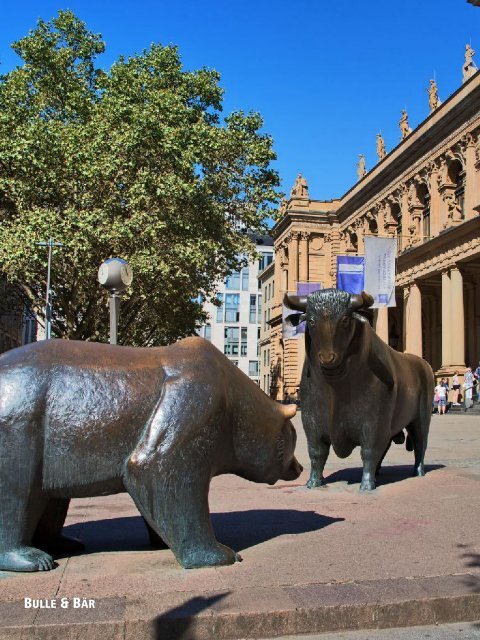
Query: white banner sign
[[380, 255]]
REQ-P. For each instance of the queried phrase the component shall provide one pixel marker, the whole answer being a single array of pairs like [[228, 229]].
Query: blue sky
[[326, 76]]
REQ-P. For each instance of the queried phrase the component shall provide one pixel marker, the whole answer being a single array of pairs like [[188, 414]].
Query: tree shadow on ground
[[388, 474], [176, 623], [472, 561], [237, 529]]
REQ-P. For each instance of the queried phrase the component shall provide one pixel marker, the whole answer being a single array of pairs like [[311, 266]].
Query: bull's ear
[[299, 303], [294, 319]]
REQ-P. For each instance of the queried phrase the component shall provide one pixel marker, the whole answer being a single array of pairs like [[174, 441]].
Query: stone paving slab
[[314, 561]]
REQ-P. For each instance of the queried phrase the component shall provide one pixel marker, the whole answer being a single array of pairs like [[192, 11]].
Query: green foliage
[[135, 163]]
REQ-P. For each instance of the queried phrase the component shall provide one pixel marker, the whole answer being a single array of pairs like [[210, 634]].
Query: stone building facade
[[426, 192]]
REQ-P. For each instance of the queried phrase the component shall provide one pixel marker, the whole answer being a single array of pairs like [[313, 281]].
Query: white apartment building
[[234, 326]]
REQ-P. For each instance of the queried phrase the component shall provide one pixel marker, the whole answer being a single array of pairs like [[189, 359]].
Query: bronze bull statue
[[355, 389], [83, 419]]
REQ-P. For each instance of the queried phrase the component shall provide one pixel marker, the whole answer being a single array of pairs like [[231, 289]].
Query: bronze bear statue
[[81, 419]]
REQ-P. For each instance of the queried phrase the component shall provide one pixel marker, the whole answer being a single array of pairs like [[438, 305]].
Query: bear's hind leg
[[48, 534], [18, 519]]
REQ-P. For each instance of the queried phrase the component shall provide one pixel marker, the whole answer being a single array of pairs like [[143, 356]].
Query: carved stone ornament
[[316, 243]]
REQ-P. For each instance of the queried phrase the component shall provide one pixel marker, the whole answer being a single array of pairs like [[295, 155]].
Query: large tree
[[136, 162]]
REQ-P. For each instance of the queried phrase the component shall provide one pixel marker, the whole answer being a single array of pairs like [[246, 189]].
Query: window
[[264, 357], [233, 281], [243, 344], [273, 288], [253, 368], [232, 307], [259, 316], [265, 293], [207, 332], [220, 307], [230, 347], [245, 275], [265, 260], [253, 309]]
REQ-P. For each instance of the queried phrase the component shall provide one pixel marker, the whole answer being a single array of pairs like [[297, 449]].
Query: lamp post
[[48, 305], [116, 276]]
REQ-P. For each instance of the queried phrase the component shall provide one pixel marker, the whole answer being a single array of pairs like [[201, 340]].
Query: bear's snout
[[293, 470]]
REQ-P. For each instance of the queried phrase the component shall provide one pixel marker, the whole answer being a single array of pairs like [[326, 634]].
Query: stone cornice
[[440, 253]]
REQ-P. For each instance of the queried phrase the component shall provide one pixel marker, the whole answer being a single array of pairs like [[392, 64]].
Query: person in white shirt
[[441, 394]]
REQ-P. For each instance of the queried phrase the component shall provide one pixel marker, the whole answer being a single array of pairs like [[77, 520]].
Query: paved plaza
[[323, 560]]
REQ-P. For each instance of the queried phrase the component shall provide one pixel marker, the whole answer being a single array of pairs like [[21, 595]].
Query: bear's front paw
[[218, 556], [26, 559]]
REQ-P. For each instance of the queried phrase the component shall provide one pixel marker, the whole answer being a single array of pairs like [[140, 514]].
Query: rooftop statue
[[361, 168], [433, 99], [381, 151], [81, 419], [300, 188], [469, 67], [405, 128], [355, 389]]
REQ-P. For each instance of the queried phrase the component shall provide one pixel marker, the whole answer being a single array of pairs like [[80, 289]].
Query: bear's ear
[[289, 410]]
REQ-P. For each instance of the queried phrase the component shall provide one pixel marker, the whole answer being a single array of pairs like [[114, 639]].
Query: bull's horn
[[299, 303], [359, 301], [289, 410]]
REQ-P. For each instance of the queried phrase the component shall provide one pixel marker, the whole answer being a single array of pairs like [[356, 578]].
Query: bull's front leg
[[371, 458], [318, 451]]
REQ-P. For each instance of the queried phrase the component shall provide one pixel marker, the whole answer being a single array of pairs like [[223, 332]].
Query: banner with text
[[350, 273], [380, 255]]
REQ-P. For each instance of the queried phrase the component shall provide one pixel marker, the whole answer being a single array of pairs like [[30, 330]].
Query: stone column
[[446, 319], [413, 321], [471, 178], [278, 274], [303, 262], [457, 325], [381, 323], [293, 262]]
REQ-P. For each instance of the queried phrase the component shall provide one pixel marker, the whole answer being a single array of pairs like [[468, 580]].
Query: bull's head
[[333, 318]]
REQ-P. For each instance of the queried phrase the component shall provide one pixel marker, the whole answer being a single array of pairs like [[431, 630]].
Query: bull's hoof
[[367, 485], [216, 557], [26, 559], [314, 482], [419, 471]]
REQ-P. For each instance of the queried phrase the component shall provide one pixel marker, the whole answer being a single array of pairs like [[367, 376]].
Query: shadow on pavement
[[237, 529], [175, 623], [472, 561], [387, 475]]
